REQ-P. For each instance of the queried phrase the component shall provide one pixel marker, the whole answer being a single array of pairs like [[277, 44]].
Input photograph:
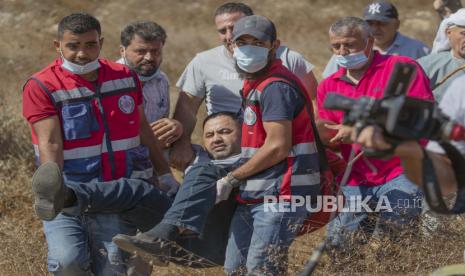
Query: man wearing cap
[[279, 154], [365, 72], [383, 19], [441, 65], [211, 76]]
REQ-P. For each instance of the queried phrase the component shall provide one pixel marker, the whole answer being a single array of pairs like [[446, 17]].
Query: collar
[[377, 61], [275, 64], [228, 162], [398, 40]]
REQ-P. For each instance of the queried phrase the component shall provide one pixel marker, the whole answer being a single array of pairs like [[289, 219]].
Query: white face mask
[[141, 78], [79, 69]]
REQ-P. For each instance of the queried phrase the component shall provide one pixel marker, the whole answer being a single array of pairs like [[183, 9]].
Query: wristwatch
[[232, 180]]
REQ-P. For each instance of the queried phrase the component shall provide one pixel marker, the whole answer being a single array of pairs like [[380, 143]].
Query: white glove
[[168, 184], [223, 189]]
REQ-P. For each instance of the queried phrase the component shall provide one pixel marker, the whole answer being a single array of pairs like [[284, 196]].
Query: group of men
[[104, 143]]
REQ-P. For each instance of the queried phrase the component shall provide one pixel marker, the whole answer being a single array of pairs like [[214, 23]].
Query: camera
[[400, 116]]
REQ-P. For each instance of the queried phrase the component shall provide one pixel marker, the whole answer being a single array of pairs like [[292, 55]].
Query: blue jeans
[[138, 201], [259, 240], [194, 208], [79, 238], [405, 203]]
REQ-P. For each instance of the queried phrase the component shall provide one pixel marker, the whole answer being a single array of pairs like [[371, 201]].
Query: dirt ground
[[27, 29]]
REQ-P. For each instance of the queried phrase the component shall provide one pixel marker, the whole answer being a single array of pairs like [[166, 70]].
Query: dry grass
[[28, 28]]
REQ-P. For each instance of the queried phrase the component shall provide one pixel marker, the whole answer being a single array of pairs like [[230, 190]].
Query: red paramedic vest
[[299, 173], [99, 122]]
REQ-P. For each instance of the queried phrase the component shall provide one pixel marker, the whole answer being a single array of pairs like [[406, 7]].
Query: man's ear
[[397, 24], [121, 50], [276, 44], [101, 42], [56, 44]]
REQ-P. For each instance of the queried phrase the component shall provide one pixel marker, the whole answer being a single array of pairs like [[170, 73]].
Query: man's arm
[[148, 139], [310, 83], [278, 143], [181, 153], [167, 131], [50, 142], [411, 155]]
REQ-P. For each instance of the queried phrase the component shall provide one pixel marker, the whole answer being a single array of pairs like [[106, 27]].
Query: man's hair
[[78, 23], [147, 30], [348, 25], [233, 7], [231, 115]]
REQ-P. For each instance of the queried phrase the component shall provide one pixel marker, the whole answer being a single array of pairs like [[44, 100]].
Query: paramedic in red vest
[[278, 151], [87, 125], [365, 72]]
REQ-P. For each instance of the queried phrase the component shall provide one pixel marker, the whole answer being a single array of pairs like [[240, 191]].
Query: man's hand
[[223, 189], [168, 184], [167, 131], [343, 134], [371, 137]]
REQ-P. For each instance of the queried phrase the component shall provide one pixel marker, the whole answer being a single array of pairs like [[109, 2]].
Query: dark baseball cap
[[380, 11], [257, 26]]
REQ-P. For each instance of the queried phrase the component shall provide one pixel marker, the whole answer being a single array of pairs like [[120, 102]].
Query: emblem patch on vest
[[126, 104], [249, 116]]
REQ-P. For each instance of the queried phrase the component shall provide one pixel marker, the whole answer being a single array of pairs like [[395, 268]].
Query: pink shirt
[[370, 171]]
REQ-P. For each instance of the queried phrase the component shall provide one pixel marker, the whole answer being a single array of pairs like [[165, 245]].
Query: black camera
[[401, 117]]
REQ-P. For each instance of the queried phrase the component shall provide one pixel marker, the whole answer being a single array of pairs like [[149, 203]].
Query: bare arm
[[148, 139], [186, 113], [412, 161], [278, 143], [310, 83], [411, 155], [50, 142]]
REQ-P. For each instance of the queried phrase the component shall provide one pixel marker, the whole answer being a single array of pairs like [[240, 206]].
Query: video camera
[[404, 118], [401, 117]]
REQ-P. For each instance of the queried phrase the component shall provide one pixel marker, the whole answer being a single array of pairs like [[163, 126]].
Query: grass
[[29, 28]]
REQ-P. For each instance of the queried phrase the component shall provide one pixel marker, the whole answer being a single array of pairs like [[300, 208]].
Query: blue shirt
[[439, 65], [402, 46]]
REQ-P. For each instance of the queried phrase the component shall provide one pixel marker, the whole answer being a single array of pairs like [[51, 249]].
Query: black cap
[[380, 11], [257, 26]]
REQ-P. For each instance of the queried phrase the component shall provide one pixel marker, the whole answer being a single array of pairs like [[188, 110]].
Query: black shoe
[[150, 248], [49, 191]]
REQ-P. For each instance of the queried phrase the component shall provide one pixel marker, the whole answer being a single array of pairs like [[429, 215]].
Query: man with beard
[[142, 50], [211, 76]]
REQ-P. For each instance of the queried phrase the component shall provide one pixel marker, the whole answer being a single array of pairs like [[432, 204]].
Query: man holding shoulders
[[365, 72], [211, 76], [383, 19], [87, 125]]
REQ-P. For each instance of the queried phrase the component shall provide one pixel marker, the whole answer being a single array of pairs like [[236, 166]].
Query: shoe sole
[[126, 244], [178, 255], [47, 185]]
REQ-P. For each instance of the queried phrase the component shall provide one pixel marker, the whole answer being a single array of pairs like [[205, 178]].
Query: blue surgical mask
[[251, 58], [79, 69], [354, 60]]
